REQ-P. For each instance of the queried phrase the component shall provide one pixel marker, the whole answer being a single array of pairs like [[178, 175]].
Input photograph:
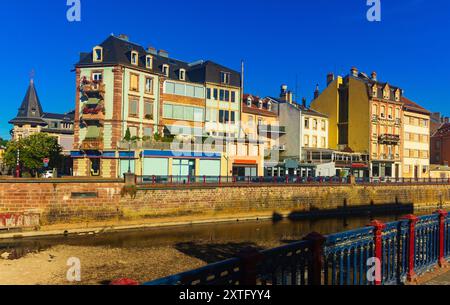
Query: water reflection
[[266, 233]]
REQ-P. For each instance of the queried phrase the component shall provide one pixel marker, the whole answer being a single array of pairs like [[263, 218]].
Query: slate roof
[[380, 85], [255, 106], [67, 117], [117, 50], [30, 111]]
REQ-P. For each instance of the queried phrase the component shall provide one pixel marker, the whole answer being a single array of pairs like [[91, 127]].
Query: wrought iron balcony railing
[[92, 144]]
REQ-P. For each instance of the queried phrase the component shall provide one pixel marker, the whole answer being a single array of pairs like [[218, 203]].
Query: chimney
[[304, 102], [330, 78], [152, 50], [316, 92], [446, 120], [163, 53], [124, 37], [283, 93], [354, 72], [289, 97], [374, 76]]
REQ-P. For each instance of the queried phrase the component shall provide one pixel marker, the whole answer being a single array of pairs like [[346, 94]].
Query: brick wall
[[60, 202]]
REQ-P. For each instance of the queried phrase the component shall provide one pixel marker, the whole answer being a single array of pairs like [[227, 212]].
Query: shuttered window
[[134, 82]]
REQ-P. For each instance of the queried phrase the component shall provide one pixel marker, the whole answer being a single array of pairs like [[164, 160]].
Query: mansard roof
[[117, 50]]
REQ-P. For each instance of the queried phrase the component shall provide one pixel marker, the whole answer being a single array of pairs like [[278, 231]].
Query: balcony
[[93, 112], [269, 129], [374, 118], [92, 144], [389, 139], [279, 148], [92, 88]]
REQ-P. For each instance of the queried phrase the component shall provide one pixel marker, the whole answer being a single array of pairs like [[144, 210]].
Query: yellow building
[[365, 117], [416, 127], [439, 171]]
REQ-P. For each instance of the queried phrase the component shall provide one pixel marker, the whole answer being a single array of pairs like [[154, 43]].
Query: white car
[[47, 174]]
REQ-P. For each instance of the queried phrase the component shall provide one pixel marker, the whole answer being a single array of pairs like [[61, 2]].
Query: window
[[134, 82], [149, 62], [324, 125], [233, 117], [182, 74], [216, 94], [323, 142], [306, 123], [208, 93], [180, 112], [184, 90], [249, 102], [134, 58], [225, 78], [148, 110], [306, 141], [383, 112], [133, 131], [165, 70], [133, 107], [314, 141], [148, 132], [315, 124], [233, 96], [149, 85], [390, 113], [227, 96], [222, 95], [97, 76], [97, 54]]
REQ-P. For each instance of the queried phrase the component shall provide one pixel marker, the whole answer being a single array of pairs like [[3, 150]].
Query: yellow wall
[[358, 117], [328, 103]]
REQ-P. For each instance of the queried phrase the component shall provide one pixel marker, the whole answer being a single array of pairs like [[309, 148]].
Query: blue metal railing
[[339, 259], [199, 180]]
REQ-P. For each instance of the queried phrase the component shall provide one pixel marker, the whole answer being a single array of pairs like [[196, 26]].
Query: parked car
[[47, 174]]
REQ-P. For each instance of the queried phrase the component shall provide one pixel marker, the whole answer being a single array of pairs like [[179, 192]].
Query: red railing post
[[287, 179], [220, 180], [204, 179], [442, 217], [411, 276], [250, 258], [378, 241], [315, 265]]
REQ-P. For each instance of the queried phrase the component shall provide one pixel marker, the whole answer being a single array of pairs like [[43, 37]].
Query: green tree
[[33, 150], [3, 142]]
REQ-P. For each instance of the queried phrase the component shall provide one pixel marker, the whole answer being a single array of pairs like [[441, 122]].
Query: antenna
[[296, 87]]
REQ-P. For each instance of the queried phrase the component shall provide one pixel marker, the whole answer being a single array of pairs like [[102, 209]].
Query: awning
[[359, 165], [245, 162]]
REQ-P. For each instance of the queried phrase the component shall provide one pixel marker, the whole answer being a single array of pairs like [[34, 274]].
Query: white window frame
[[94, 54], [135, 53], [182, 74], [166, 68], [149, 61]]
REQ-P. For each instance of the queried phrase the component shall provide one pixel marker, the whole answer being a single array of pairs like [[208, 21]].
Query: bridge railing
[[297, 180], [387, 254]]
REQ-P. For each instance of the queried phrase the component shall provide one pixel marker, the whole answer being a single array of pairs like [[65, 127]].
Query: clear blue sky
[[279, 41]]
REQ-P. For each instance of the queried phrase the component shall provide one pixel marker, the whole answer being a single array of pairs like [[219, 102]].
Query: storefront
[[245, 168]]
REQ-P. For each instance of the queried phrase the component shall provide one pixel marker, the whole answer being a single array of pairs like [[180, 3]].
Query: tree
[[3, 142], [33, 150]]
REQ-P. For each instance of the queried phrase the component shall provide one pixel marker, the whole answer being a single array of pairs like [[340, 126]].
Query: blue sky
[[280, 41]]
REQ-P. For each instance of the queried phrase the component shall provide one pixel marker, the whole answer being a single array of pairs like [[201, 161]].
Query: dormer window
[[387, 92], [149, 62], [182, 74], [260, 104], [374, 91], [134, 58], [225, 78], [249, 102], [97, 54], [397, 95], [165, 70], [269, 105]]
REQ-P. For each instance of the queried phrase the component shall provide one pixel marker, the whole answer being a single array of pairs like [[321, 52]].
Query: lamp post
[[18, 164], [129, 156]]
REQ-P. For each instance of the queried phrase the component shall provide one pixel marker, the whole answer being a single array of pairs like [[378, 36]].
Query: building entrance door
[[416, 172]]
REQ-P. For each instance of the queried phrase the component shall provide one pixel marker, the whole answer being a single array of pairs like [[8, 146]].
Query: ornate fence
[[387, 254]]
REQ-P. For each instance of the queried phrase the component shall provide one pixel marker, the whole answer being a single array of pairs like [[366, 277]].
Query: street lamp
[[18, 164], [129, 156]]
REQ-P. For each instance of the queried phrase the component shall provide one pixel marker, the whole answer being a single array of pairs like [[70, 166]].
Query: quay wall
[[60, 202]]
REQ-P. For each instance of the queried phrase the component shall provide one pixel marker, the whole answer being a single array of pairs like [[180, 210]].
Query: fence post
[[442, 217], [250, 258], [378, 242], [411, 276], [315, 265]]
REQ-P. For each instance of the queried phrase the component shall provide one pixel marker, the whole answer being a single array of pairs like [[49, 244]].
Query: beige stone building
[[416, 137]]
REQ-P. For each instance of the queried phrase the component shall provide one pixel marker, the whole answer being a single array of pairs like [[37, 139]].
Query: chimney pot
[[316, 92], [354, 71], [374, 76], [304, 102], [330, 78]]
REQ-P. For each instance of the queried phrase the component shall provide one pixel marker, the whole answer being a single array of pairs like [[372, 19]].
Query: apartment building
[[440, 145], [416, 137], [139, 110], [365, 116]]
